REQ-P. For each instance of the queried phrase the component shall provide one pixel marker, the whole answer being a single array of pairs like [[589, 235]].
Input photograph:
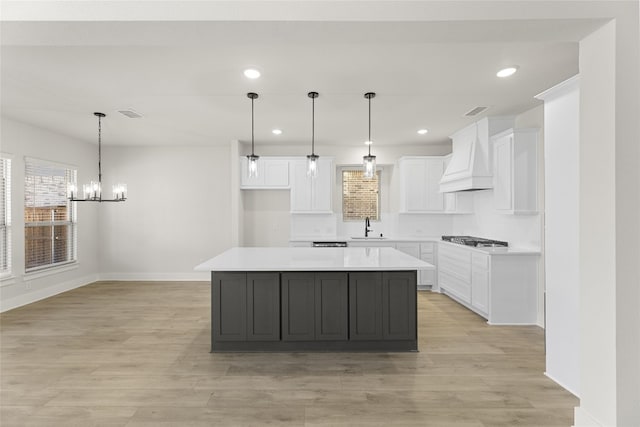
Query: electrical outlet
[[28, 285]]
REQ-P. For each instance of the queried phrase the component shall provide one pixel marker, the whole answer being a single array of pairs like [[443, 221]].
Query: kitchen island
[[313, 299]]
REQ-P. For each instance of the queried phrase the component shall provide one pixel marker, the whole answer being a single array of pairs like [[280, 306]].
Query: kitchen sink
[[369, 238]]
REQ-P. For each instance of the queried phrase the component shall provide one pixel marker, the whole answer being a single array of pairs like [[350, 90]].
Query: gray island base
[[313, 299]]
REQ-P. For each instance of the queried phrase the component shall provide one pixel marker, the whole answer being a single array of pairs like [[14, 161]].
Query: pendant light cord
[[100, 150], [252, 153], [369, 125], [313, 124]]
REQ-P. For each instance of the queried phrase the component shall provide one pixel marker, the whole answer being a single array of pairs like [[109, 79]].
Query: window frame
[[70, 221], [6, 229], [358, 168]]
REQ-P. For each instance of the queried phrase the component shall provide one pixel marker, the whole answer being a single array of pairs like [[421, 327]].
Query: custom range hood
[[470, 166]]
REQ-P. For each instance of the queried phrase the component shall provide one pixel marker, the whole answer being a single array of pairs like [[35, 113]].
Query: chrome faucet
[[367, 224]]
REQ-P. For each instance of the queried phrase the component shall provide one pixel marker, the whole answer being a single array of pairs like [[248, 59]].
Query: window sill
[[7, 280], [49, 271]]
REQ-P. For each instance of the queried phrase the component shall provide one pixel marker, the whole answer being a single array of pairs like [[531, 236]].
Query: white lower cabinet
[[499, 287], [480, 283]]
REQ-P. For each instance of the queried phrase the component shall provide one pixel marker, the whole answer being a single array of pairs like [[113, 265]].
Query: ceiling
[[186, 78]]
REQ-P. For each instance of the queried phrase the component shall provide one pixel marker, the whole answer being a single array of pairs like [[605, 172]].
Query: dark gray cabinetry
[[331, 306], [245, 306], [263, 306], [298, 307], [314, 306], [399, 305], [365, 306], [314, 311]]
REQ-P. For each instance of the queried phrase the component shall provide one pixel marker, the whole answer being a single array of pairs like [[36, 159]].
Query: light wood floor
[[137, 354]]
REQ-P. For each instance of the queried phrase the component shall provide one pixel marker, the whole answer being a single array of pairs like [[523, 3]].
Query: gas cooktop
[[474, 241]]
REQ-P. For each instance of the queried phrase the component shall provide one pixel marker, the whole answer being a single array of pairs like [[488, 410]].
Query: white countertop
[[495, 250], [373, 239], [313, 259]]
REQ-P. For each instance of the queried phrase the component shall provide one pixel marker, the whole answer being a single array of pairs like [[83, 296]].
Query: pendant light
[[93, 191], [253, 159], [312, 159], [369, 161]]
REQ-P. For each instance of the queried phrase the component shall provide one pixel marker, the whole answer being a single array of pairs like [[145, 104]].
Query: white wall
[[20, 140], [609, 230], [562, 243], [267, 220], [176, 216]]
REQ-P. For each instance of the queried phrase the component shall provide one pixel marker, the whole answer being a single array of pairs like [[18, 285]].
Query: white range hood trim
[[470, 165]]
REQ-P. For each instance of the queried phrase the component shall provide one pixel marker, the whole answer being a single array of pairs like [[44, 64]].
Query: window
[[5, 217], [49, 217], [360, 196]]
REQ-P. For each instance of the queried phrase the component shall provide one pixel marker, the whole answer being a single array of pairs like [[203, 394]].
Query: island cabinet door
[[263, 306], [298, 306], [399, 305], [229, 306], [331, 306], [365, 306]]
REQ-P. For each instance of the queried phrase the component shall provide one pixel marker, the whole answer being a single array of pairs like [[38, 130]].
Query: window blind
[[49, 217], [5, 217]]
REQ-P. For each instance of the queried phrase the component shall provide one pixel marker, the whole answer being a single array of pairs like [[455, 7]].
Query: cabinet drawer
[[427, 248], [455, 286], [480, 261], [455, 262]]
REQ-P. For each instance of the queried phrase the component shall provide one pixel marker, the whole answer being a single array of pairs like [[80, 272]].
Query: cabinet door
[[331, 307], [412, 249], [229, 318], [298, 307], [276, 173], [300, 187], [365, 306], [263, 306], [434, 200], [414, 182], [321, 187], [502, 186], [399, 305]]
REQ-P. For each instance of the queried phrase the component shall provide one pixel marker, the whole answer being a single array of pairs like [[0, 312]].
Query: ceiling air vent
[[132, 114], [475, 111]]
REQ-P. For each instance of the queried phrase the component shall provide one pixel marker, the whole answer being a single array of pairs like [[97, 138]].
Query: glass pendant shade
[[252, 168], [312, 165], [369, 166]]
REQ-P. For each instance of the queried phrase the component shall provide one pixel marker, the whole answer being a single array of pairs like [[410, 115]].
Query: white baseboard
[[582, 418], [564, 386], [199, 276], [40, 294]]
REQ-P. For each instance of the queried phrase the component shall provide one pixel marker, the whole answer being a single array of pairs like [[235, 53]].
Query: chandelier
[[92, 192]]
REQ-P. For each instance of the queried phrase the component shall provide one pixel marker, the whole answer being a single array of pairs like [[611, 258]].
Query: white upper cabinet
[[273, 173], [515, 171], [420, 184], [311, 195]]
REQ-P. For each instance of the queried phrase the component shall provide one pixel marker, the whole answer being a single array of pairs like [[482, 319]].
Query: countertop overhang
[[313, 259]]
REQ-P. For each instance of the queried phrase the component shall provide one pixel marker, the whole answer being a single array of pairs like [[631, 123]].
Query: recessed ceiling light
[[506, 72], [276, 131], [368, 142], [423, 131], [251, 73]]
